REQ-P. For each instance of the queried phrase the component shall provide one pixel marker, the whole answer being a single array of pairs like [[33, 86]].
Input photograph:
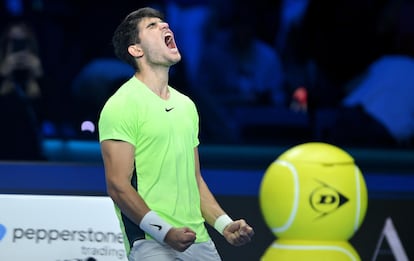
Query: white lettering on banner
[[58, 228], [390, 234]]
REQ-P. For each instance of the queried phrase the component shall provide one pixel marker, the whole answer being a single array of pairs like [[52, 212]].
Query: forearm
[[236, 232], [118, 160], [134, 207], [129, 202], [210, 208]]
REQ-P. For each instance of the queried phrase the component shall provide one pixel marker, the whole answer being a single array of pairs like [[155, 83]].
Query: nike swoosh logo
[[168, 109], [157, 226]]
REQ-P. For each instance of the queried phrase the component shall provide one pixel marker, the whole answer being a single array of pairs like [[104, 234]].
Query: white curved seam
[[314, 247], [292, 215]]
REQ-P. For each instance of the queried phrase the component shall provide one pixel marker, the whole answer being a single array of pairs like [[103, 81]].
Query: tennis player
[[149, 137]]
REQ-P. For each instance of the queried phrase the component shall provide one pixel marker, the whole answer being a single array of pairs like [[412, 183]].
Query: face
[[157, 42]]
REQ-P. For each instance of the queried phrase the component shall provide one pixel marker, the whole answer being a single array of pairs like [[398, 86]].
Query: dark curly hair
[[127, 33]]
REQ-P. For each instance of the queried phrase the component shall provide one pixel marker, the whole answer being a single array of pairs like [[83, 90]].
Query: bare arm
[[210, 208], [118, 157], [236, 233], [119, 160]]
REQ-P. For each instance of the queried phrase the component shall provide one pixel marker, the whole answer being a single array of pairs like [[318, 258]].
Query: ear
[[135, 50]]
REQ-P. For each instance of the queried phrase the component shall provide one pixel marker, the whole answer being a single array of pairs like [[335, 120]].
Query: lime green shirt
[[164, 134]]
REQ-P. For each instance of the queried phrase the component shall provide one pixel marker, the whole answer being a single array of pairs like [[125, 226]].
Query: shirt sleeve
[[115, 122]]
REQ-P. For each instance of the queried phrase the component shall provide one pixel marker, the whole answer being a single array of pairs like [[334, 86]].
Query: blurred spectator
[[298, 69], [330, 44], [20, 93], [98, 80], [237, 69], [291, 15], [379, 110], [189, 20]]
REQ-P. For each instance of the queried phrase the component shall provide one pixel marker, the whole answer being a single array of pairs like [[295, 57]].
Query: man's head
[[129, 31]]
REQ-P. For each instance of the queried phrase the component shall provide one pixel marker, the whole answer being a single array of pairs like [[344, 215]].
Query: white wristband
[[221, 223], [155, 226]]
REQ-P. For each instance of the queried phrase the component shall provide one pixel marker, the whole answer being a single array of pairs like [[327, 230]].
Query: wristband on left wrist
[[222, 222]]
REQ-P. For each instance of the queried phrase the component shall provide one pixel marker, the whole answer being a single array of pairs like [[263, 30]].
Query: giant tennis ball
[[313, 191], [287, 250]]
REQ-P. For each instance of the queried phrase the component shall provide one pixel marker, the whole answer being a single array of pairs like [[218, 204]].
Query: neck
[[156, 81]]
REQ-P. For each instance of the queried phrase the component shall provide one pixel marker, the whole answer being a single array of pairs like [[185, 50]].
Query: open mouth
[[169, 41]]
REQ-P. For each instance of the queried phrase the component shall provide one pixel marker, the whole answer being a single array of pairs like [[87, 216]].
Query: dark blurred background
[[264, 72], [266, 75]]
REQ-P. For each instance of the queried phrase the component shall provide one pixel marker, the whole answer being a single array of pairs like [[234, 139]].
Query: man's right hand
[[180, 238]]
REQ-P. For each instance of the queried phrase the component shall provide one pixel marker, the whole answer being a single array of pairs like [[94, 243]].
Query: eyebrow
[[154, 22]]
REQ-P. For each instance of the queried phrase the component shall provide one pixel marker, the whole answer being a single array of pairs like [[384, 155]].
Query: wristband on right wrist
[[155, 226]]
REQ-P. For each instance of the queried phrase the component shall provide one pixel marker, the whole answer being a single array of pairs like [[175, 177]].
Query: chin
[[176, 59]]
